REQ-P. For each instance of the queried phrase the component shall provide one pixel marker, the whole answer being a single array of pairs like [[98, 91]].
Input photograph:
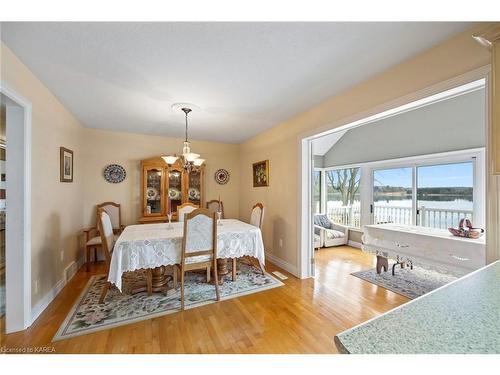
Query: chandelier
[[190, 160]]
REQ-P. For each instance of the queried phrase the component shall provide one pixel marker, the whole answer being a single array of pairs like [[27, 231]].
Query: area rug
[[87, 315], [409, 283]]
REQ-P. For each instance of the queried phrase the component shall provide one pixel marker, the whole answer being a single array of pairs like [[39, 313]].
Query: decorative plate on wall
[[221, 176], [114, 173]]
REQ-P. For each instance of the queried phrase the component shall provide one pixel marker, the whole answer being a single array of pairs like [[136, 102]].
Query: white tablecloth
[[153, 245]]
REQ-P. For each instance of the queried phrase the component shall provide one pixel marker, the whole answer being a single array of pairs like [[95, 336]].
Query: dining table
[[157, 246]]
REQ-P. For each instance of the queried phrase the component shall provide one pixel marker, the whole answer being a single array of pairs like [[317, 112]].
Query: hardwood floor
[[301, 317]]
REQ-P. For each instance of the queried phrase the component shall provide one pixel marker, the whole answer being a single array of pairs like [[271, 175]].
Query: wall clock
[[221, 176], [114, 173]]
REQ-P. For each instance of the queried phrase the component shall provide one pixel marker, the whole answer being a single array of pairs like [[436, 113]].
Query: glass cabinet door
[[153, 192], [194, 188], [174, 189]]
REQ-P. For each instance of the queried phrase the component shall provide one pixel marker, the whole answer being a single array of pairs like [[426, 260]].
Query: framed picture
[[261, 173], [66, 164]]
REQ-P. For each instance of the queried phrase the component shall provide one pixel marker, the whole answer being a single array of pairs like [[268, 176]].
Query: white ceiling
[[245, 77]]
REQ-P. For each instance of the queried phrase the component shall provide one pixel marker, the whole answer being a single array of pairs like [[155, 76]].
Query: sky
[[447, 175]]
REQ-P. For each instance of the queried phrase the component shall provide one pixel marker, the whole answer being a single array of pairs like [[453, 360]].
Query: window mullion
[[323, 192], [414, 196]]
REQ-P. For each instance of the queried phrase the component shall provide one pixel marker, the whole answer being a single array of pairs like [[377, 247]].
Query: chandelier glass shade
[[190, 160]]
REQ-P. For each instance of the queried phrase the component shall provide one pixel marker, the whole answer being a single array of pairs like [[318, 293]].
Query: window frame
[[476, 155], [413, 190], [325, 189], [321, 189]]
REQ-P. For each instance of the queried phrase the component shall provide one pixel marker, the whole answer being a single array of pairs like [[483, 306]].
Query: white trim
[[46, 300], [355, 244], [468, 81], [23, 321], [282, 264], [304, 218]]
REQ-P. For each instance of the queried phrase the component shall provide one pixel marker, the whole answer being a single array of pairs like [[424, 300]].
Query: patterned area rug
[[88, 316], [409, 283]]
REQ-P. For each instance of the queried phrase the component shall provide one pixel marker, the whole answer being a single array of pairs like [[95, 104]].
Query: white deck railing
[[345, 215], [441, 218], [429, 217]]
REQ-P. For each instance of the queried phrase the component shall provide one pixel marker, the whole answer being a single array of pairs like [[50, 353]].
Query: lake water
[[455, 204]]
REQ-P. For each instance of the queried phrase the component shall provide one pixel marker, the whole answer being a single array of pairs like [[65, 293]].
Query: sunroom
[[424, 167]]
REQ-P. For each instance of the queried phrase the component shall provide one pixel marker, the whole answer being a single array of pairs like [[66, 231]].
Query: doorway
[[360, 212], [3, 155], [15, 211]]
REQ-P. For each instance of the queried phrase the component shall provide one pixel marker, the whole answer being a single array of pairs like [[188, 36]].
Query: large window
[[444, 194], [343, 196], [427, 190], [317, 192], [392, 196]]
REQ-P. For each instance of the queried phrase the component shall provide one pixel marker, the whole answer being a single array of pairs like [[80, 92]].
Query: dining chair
[[199, 246], [94, 243], [213, 206], [256, 219], [184, 209], [108, 240], [257, 215]]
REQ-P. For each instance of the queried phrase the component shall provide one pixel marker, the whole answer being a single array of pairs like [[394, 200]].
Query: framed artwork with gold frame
[[261, 173], [66, 164]]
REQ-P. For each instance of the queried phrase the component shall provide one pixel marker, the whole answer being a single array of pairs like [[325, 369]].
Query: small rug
[[87, 315], [409, 283]]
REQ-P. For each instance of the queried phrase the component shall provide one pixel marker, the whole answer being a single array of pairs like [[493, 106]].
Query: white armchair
[[318, 238], [331, 234]]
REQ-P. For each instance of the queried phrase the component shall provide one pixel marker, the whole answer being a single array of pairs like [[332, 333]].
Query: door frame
[[436, 92], [18, 220]]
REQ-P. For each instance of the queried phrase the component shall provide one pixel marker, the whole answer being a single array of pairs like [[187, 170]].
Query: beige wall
[[280, 144], [56, 207], [105, 147]]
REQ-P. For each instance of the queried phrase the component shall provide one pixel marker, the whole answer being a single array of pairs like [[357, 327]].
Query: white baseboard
[[355, 244], [46, 300], [40, 307], [283, 264]]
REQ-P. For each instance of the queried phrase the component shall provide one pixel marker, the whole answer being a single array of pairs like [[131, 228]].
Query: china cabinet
[[164, 188]]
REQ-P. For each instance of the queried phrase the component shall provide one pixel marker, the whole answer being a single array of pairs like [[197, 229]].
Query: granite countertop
[[461, 317]]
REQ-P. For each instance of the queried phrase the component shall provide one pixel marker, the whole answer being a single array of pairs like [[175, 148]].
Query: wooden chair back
[[200, 235], [184, 209], [257, 216], [114, 212], [107, 236], [213, 206]]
